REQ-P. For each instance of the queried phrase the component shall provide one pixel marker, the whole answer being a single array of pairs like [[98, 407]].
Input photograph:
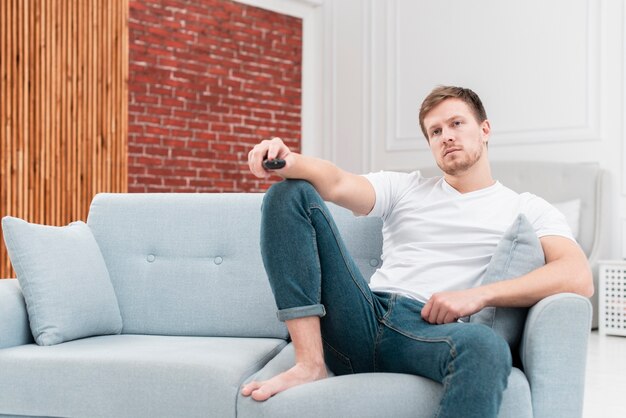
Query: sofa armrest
[[554, 354], [14, 326]]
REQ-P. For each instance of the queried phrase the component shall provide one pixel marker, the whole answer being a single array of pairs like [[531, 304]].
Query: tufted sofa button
[[373, 262], [151, 258], [218, 260]]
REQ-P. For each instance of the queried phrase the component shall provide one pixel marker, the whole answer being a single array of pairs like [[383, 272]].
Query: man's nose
[[447, 135]]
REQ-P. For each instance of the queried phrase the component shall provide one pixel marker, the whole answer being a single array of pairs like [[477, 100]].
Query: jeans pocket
[[336, 361]]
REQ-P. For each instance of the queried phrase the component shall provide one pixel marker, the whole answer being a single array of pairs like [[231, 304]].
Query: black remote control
[[274, 164]]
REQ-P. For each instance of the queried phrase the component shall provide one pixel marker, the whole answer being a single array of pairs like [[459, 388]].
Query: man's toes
[[249, 388], [262, 394]]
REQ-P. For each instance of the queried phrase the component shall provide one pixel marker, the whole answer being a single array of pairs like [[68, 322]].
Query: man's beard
[[461, 165]]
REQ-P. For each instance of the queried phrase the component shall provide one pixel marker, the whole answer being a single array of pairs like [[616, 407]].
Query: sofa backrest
[[190, 264]]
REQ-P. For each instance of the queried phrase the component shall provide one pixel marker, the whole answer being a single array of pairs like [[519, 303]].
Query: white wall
[[550, 73]]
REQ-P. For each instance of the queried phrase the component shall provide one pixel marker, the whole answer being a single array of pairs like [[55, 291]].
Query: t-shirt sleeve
[[389, 187], [546, 219]]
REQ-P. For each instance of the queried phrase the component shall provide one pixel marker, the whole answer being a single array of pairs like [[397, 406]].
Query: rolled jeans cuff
[[301, 312]]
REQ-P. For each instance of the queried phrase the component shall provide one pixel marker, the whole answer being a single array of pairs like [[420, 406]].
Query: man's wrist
[[488, 296]]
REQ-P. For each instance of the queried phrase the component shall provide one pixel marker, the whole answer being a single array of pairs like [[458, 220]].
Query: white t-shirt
[[437, 239]]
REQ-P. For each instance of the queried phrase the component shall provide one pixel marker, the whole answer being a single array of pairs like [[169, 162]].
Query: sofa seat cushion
[[367, 395], [131, 376]]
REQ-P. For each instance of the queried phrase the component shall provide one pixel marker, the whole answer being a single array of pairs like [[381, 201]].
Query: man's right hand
[[268, 149]]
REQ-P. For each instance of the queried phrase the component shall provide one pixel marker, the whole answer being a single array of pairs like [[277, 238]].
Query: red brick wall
[[208, 79]]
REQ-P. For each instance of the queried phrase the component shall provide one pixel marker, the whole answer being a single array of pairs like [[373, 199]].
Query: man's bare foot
[[297, 375]]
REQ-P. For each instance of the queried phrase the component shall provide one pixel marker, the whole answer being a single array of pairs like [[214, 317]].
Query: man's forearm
[[349, 190], [566, 275], [566, 271], [322, 174], [332, 183]]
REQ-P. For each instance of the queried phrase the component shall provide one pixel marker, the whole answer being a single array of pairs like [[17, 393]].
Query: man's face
[[456, 139]]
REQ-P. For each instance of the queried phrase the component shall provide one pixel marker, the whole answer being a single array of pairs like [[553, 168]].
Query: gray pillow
[[64, 280], [519, 252]]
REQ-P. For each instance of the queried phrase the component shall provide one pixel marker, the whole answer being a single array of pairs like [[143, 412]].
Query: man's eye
[[457, 123], [436, 132]]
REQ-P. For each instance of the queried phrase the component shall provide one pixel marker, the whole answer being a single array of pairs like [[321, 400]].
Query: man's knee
[[288, 191], [289, 187], [487, 351]]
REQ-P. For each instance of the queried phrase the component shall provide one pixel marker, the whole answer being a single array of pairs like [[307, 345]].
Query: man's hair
[[441, 93]]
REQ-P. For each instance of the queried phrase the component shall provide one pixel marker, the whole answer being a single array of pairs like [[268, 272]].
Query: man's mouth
[[450, 150]]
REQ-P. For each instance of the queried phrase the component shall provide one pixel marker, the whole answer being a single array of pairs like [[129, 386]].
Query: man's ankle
[[317, 366]]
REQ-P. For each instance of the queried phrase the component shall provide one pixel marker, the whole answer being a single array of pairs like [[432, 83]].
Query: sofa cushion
[[186, 264], [64, 280], [367, 395], [519, 252], [131, 376], [571, 210]]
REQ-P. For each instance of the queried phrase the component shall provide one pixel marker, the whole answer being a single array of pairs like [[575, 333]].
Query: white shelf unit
[[612, 297]]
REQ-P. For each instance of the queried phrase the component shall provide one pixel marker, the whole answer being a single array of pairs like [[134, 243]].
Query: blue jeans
[[311, 273]]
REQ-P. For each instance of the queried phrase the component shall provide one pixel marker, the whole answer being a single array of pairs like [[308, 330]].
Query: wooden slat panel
[[63, 105]]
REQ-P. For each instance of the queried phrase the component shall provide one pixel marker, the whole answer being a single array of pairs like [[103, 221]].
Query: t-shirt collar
[[451, 190]]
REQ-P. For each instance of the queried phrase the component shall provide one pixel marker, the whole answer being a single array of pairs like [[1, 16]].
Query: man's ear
[[485, 129]]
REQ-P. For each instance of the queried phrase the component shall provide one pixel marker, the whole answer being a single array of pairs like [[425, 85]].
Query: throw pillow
[[519, 252], [64, 280]]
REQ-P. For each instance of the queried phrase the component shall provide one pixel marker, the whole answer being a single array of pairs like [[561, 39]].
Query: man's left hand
[[447, 307]]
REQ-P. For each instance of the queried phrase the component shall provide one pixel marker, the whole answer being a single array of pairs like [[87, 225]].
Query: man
[[438, 237]]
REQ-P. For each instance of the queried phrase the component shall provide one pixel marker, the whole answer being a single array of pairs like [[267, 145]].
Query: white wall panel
[[539, 83]]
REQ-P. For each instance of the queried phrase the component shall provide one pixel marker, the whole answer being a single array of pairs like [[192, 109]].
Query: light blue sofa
[[199, 321]]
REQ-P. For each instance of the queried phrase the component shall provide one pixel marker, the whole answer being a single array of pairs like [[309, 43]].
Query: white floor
[[605, 389]]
